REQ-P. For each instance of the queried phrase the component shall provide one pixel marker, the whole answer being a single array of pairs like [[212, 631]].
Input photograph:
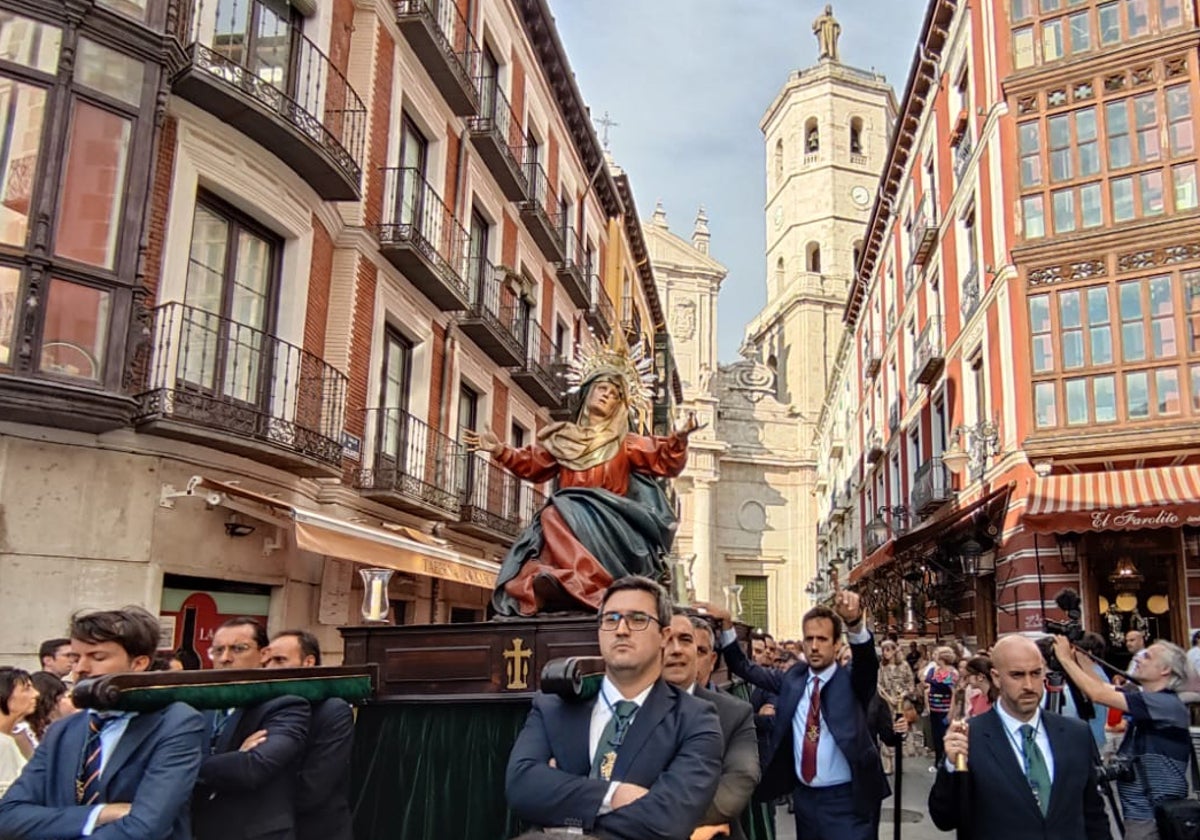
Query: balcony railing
[[538, 374], [420, 235], [894, 416], [541, 215], [931, 487], [277, 87], [496, 134], [874, 535], [443, 42], [573, 269], [601, 315], [872, 359], [969, 293], [924, 232], [962, 156], [930, 357], [415, 468], [492, 317], [495, 502], [910, 278], [242, 389], [874, 447]]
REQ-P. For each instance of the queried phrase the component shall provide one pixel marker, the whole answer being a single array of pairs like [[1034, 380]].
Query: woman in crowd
[[939, 688], [18, 698], [895, 686], [54, 702], [981, 691]]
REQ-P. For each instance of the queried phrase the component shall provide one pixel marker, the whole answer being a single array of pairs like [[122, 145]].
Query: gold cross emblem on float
[[517, 662]]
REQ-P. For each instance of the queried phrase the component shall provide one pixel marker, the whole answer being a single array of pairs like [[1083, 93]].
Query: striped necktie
[[87, 787]]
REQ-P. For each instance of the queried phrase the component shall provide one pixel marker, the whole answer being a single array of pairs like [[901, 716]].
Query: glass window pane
[[1133, 342], [10, 284], [1122, 199], [1130, 300], [1034, 215], [1064, 211], [1072, 349], [1021, 9], [75, 331], [1145, 114], [1116, 118], [1160, 295], [93, 186], [1068, 309], [1110, 23], [1044, 405], [1029, 137], [1039, 313], [1170, 13], [22, 108], [29, 43], [1097, 306], [1101, 345], [1023, 47], [1179, 116], [1043, 354], [1137, 396], [1166, 389], [1184, 182], [1052, 40], [109, 72], [1137, 17], [1081, 32], [1091, 205], [1050, 5], [1077, 401], [1196, 388], [1104, 399], [1150, 184]]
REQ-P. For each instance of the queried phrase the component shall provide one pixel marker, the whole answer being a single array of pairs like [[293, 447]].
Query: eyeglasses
[[236, 650], [636, 620]]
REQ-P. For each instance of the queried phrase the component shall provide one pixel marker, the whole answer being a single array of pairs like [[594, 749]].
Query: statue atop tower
[[827, 30]]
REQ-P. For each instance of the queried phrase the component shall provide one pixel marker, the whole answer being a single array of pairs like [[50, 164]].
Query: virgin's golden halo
[[634, 367]]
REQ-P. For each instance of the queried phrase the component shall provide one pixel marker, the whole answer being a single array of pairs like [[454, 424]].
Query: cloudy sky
[[689, 80]]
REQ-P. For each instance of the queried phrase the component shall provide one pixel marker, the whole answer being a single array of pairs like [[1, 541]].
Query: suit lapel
[[1060, 753], [136, 731], [231, 738], [576, 725], [71, 748], [991, 728], [658, 703]]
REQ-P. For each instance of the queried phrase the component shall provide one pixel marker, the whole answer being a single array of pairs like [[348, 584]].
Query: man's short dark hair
[[10, 678], [133, 628], [822, 612], [309, 646], [260, 633], [700, 623], [637, 583], [50, 648]]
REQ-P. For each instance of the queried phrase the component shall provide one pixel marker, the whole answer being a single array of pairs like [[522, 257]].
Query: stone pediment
[[666, 248]]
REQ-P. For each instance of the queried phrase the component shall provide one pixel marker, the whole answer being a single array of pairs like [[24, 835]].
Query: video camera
[[1068, 601]]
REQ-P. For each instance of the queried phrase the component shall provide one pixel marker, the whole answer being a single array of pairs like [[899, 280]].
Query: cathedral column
[[702, 524]]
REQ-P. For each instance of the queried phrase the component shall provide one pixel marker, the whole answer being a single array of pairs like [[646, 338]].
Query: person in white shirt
[[18, 699], [1193, 655]]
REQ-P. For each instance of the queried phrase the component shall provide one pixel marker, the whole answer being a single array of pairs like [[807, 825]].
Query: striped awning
[[1119, 500]]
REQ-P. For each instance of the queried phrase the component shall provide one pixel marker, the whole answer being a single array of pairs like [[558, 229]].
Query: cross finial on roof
[[606, 122]]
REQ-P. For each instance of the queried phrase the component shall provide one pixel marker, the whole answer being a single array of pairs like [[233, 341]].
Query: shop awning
[[404, 550], [1118, 500]]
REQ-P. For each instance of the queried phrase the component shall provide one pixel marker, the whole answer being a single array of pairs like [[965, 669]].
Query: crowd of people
[[275, 769], [662, 753]]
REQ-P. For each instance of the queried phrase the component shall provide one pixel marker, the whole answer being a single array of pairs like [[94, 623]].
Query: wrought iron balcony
[[444, 44], [416, 468], [538, 374], [924, 232], [837, 443], [214, 381], [275, 86], [492, 317], [572, 270], [540, 215], [420, 236], [931, 487], [969, 293], [875, 535], [601, 315], [930, 357], [872, 358], [894, 416], [873, 450], [496, 504], [962, 157], [497, 137], [846, 497], [631, 320]]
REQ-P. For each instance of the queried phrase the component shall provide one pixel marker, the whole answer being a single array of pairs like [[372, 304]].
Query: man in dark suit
[[247, 782], [740, 769], [822, 749], [113, 776], [323, 787], [639, 762], [1030, 773]]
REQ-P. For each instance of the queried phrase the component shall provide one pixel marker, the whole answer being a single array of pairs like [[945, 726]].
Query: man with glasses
[[642, 759], [246, 787]]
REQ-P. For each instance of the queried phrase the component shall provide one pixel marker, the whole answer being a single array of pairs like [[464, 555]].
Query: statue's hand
[[690, 425], [485, 440]]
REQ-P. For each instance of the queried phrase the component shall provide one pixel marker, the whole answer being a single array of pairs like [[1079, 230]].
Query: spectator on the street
[[110, 775], [54, 703], [323, 787], [913, 657], [895, 686], [247, 783], [939, 689], [57, 658], [641, 759], [1135, 643], [981, 692], [740, 769], [18, 699]]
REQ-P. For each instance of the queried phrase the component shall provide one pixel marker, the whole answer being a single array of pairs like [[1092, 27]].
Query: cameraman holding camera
[[1156, 746]]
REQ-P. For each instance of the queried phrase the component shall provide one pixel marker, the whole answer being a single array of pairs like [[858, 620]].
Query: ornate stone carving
[[1045, 276], [683, 321]]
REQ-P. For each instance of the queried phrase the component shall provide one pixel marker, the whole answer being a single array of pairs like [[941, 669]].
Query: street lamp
[[1068, 551], [973, 446], [969, 554]]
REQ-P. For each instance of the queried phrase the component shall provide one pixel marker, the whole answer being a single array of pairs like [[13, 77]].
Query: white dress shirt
[[1016, 741], [602, 712], [110, 736]]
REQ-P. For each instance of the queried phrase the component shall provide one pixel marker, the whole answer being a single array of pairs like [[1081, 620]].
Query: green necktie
[[1035, 768], [611, 738]]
